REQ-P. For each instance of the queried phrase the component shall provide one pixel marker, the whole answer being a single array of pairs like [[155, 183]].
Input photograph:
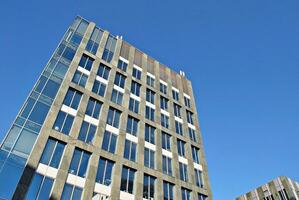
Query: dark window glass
[[52, 153], [163, 88], [183, 172], [166, 141], [177, 110], [87, 132], [150, 134], [51, 89], [99, 88], [71, 192], [149, 113], [175, 95], [120, 80], [104, 171], [192, 134], [132, 125], [109, 49], [135, 88], [122, 65], [72, 98], [130, 150], [39, 113], [79, 163], [127, 179], [150, 81], [167, 191], [113, 117], [186, 194], [150, 96], [103, 71], [163, 103], [187, 102], [181, 147], [190, 117], [195, 155], [93, 108], [109, 142], [117, 97], [134, 105], [166, 165], [198, 178], [40, 187], [149, 158], [136, 73], [148, 187], [94, 41], [165, 121], [80, 78], [178, 128], [86, 62], [63, 122]]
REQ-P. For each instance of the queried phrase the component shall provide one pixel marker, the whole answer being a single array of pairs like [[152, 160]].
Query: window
[[132, 125], [119, 80], [136, 73], [187, 102], [40, 187], [52, 153], [66, 52], [72, 98], [149, 158], [167, 191], [117, 97], [122, 65], [79, 163], [71, 192], [150, 81], [177, 110], [181, 147], [87, 132], [93, 108], [127, 179], [190, 117], [94, 41], [150, 96], [104, 172], [130, 150], [192, 134], [175, 95], [195, 155], [103, 71], [113, 117], [86, 62], [109, 142], [80, 78], [134, 105], [163, 103], [183, 172], [198, 178], [165, 121], [149, 113], [150, 134], [148, 187], [109, 49], [202, 197], [166, 165], [63, 122], [135, 88], [178, 128], [166, 141], [163, 88], [99, 88], [186, 194]]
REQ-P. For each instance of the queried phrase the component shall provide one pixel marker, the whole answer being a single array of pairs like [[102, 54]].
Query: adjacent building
[[105, 121], [281, 188]]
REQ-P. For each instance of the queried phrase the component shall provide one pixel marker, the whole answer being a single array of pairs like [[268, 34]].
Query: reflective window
[[24, 143], [178, 128], [198, 178], [63, 122], [66, 52], [132, 125], [39, 112], [94, 41], [163, 103], [136, 73], [190, 117], [164, 121], [134, 105], [103, 71], [167, 191], [72, 98], [166, 141], [86, 62], [195, 155], [52, 153], [181, 147], [122, 65], [40, 187], [135, 88], [80, 78], [113, 117], [175, 95], [109, 142], [117, 97], [87, 132], [120, 80], [104, 173], [79, 163], [148, 187], [127, 179], [183, 172], [99, 88], [149, 113], [186, 194], [71, 192], [163, 88], [130, 150], [150, 134], [166, 165], [93, 108], [150, 96], [149, 158], [192, 134], [187, 102], [109, 49], [202, 197], [177, 110], [150, 81]]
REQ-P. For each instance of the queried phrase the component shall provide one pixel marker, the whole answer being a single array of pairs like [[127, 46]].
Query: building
[[105, 121], [281, 188]]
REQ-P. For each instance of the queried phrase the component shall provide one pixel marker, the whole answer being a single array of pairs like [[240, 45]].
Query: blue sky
[[241, 56]]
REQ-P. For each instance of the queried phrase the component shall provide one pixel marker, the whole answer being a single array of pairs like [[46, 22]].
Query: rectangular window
[[183, 172], [149, 113], [136, 73], [149, 187], [163, 88], [163, 103], [166, 165], [113, 117], [99, 88], [80, 78], [52, 153], [79, 163], [103, 71], [132, 125], [134, 105], [186, 194], [168, 191], [94, 41], [195, 155], [135, 88], [202, 197], [122, 65], [192, 134], [149, 158], [177, 110], [86, 62], [119, 80], [190, 117], [187, 102], [72, 98], [198, 178], [127, 179], [40, 187], [150, 96], [104, 173], [164, 121], [93, 108], [130, 150], [166, 141], [71, 192], [150, 81], [178, 128], [109, 49], [63, 122], [87, 132], [117, 97], [150, 134], [181, 147], [175, 95], [109, 142]]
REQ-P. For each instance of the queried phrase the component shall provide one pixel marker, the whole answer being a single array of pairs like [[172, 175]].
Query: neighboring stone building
[[281, 188], [105, 121]]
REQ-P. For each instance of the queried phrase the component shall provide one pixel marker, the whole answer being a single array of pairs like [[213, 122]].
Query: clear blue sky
[[242, 57]]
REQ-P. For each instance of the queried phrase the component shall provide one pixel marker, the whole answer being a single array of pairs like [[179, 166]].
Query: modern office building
[[105, 121], [281, 188]]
